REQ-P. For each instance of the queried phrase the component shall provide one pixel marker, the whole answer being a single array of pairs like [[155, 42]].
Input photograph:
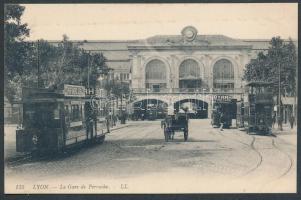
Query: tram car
[[223, 107], [56, 119], [258, 107], [175, 123]]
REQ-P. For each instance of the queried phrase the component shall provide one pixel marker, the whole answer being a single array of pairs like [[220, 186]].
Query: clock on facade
[[189, 33]]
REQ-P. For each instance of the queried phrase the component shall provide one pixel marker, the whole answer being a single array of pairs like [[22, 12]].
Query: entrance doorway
[[195, 108]]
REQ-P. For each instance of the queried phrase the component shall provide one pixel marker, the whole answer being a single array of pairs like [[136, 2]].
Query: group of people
[[111, 120], [91, 113], [279, 121]]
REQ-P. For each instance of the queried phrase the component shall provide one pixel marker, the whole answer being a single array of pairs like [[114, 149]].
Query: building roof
[[263, 44], [121, 67], [203, 40], [118, 55]]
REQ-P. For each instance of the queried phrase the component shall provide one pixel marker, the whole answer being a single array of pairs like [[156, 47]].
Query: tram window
[[75, 113], [66, 109], [56, 114]]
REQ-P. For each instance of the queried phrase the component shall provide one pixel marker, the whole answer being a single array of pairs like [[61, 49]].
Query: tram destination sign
[[74, 91]]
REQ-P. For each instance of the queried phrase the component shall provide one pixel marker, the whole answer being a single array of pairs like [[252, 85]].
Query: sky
[[139, 21]]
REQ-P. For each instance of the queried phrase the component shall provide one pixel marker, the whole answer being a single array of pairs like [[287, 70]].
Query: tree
[[41, 64], [14, 29], [14, 34], [119, 89], [73, 65], [277, 66], [281, 57]]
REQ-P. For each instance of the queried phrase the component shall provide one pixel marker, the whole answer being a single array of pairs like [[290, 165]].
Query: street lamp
[[204, 98], [196, 92]]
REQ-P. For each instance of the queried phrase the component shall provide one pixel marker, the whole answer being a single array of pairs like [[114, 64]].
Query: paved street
[[136, 159]]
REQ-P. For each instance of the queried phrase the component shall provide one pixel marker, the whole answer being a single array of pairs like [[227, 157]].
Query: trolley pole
[[147, 90], [279, 98], [204, 98]]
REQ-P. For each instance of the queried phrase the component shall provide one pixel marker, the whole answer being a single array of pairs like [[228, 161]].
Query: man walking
[[89, 121], [222, 121], [292, 121], [273, 120], [280, 122]]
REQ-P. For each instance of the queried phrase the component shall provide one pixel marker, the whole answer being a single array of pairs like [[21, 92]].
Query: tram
[[149, 111], [258, 107], [223, 106], [56, 119]]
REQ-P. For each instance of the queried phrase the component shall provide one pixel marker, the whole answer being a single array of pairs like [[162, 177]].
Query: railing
[[185, 90], [227, 90]]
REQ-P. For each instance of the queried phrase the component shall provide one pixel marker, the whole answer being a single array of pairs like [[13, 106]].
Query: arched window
[[223, 74], [189, 74], [189, 69], [155, 74]]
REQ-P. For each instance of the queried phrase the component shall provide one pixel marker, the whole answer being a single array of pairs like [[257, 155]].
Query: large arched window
[[155, 75], [189, 74], [223, 75], [189, 69]]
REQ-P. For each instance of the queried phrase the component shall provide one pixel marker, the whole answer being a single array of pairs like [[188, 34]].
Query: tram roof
[[48, 94], [258, 83]]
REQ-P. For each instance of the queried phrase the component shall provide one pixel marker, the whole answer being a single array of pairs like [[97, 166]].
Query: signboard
[[74, 91], [221, 98]]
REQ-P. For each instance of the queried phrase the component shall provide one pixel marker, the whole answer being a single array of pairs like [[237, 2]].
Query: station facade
[[185, 68]]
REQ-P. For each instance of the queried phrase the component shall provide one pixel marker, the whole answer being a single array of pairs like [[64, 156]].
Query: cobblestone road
[[136, 159]]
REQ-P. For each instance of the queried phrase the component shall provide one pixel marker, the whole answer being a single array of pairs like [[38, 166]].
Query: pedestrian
[[162, 124], [108, 123], [280, 122], [292, 121], [114, 120], [89, 120], [273, 120], [222, 121]]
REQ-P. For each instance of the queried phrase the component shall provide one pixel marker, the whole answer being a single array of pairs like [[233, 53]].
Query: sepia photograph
[[159, 98]]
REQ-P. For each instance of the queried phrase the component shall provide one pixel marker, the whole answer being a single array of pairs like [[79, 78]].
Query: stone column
[[208, 68], [135, 77], [141, 72], [175, 71], [210, 106]]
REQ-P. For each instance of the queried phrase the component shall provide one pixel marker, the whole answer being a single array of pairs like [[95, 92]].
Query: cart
[[175, 123]]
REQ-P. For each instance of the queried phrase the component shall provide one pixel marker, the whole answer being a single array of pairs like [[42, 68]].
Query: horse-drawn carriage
[[175, 123]]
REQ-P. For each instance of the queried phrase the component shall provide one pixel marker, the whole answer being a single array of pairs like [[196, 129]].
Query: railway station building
[[185, 68]]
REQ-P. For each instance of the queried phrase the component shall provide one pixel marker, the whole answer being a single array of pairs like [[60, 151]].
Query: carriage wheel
[[185, 135]]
